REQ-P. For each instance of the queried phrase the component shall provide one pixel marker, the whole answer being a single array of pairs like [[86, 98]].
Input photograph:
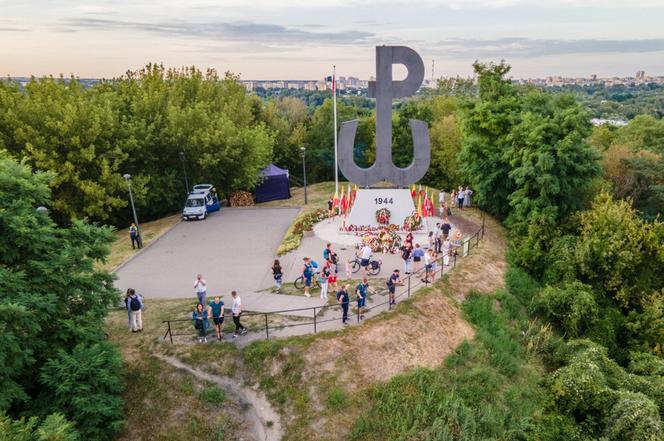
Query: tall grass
[[488, 389]]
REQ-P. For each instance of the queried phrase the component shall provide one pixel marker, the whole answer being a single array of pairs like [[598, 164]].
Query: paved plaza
[[233, 249]]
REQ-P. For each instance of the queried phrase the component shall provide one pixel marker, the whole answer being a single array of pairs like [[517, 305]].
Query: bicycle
[[299, 282], [374, 266]]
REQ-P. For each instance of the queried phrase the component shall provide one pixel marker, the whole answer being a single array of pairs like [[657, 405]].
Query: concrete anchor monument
[[397, 200]]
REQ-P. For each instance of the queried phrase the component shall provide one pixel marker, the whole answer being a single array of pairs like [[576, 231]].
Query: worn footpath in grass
[[164, 403], [121, 247]]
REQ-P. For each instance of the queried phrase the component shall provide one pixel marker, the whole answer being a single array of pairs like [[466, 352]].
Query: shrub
[[85, 386], [571, 307], [304, 221], [213, 395], [643, 363], [634, 417], [520, 284], [54, 427], [336, 398]]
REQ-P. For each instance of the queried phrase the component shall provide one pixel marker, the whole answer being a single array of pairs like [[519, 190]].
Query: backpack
[[134, 304], [326, 254], [307, 270], [314, 264]]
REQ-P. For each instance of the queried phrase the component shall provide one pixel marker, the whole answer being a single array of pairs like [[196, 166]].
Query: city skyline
[[295, 39]]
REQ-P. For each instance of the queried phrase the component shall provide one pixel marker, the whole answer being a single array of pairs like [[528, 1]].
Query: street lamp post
[[127, 178], [184, 169], [304, 172]]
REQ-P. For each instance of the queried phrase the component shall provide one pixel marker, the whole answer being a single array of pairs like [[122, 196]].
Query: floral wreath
[[412, 222], [383, 216]]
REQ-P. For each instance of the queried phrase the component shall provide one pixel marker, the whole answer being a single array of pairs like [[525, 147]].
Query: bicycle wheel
[[299, 283], [355, 266], [374, 271]]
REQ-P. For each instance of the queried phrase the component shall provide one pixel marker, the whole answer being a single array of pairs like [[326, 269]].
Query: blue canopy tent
[[274, 186]]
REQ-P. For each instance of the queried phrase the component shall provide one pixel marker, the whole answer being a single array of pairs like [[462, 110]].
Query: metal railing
[[408, 285]]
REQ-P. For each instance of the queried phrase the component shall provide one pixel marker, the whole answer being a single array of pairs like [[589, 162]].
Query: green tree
[[53, 428], [52, 300]]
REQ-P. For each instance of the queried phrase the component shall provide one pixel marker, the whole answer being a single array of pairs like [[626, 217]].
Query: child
[[323, 278], [277, 274]]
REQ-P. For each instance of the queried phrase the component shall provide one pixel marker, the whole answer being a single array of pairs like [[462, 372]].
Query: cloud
[[530, 48], [10, 29], [244, 31]]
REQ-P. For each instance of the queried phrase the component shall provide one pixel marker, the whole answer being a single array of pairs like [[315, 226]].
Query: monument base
[[367, 201]]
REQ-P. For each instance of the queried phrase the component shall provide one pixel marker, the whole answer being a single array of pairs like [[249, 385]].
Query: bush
[[634, 417], [213, 395], [304, 221], [643, 363], [521, 284], [571, 307], [54, 427], [85, 385]]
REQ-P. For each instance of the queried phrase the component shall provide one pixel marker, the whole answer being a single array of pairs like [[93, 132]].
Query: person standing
[[236, 311], [330, 210], [365, 258], [467, 201], [409, 240], [126, 303], [453, 198], [344, 300], [447, 246], [392, 283], [200, 318], [216, 311], [332, 278], [201, 289], [277, 274], [460, 197], [135, 238], [437, 236], [442, 197], [434, 264], [361, 291], [418, 254], [407, 256], [323, 280], [307, 274], [445, 230], [427, 266], [135, 305]]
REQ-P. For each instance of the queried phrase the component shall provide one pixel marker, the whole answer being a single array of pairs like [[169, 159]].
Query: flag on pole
[[350, 197], [419, 205], [432, 207], [335, 200], [421, 194], [344, 201], [413, 191]]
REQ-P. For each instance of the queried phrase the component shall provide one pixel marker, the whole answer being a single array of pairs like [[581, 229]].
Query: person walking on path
[[236, 311], [427, 266], [453, 198], [437, 236], [323, 280], [277, 274], [361, 290], [307, 274], [216, 311], [418, 254], [442, 197], [200, 318], [434, 264], [135, 238], [460, 197], [344, 300], [407, 256], [135, 306], [200, 286], [392, 283]]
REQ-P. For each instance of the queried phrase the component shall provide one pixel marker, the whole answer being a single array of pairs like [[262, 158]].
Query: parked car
[[201, 202]]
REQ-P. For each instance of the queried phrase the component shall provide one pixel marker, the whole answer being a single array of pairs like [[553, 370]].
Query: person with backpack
[[126, 303], [407, 256], [135, 237], [344, 300], [392, 283], [135, 307], [418, 255], [277, 274], [200, 318], [216, 311], [307, 274]]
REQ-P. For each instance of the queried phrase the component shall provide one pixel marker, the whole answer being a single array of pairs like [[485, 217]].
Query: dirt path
[[263, 421]]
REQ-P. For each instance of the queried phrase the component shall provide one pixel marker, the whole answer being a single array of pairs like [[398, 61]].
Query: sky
[[303, 39]]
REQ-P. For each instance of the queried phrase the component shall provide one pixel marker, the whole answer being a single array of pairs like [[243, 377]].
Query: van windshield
[[195, 202]]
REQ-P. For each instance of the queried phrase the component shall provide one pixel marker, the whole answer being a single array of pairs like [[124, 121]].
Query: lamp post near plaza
[[127, 177], [184, 169], [304, 172]]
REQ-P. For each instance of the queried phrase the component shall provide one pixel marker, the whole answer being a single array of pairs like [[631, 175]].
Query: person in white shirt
[[365, 257], [427, 266], [236, 311], [200, 286]]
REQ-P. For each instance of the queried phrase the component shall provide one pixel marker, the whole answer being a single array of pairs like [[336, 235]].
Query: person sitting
[[200, 317]]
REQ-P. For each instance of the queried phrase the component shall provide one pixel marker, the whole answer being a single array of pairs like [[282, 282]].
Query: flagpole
[[334, 106]]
